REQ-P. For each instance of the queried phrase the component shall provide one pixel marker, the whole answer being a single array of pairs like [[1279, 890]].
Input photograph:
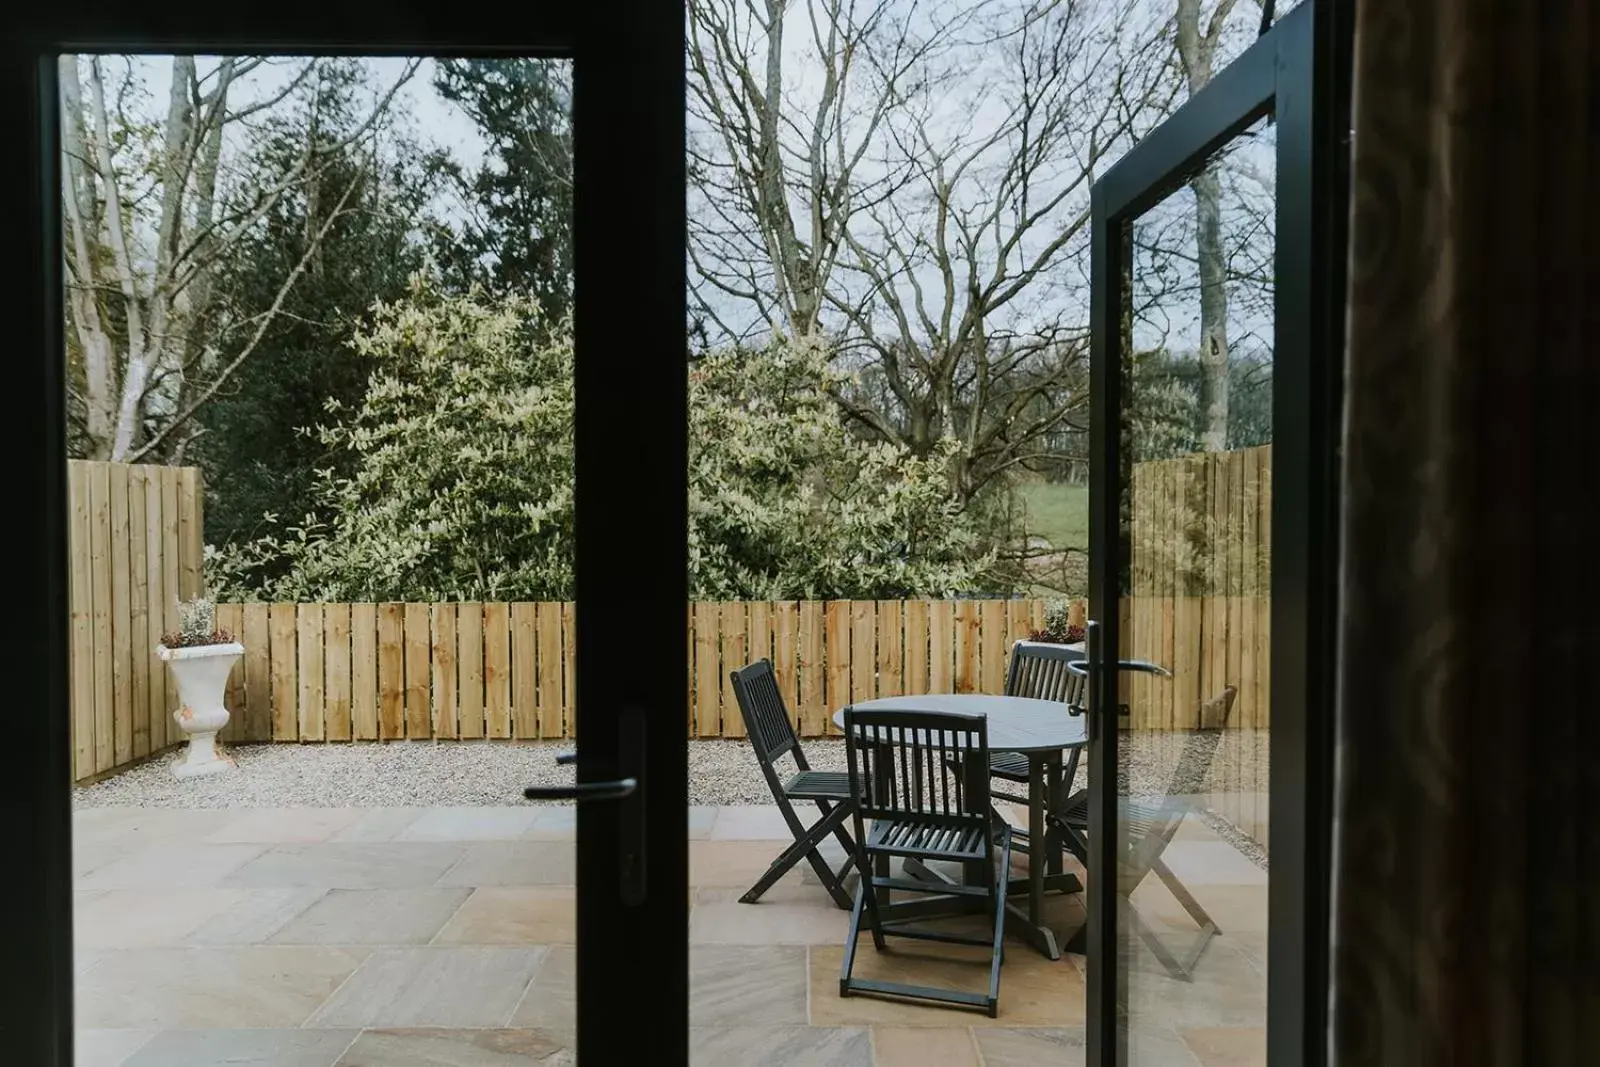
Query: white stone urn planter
[[201, 672]]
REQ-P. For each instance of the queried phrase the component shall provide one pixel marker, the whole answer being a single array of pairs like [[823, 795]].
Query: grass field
[[1058, 513]]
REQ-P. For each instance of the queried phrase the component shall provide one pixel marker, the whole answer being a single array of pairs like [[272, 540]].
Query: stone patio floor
[[324, 937]]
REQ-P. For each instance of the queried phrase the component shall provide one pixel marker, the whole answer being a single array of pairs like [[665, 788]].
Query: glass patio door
[[1211, 440], [626, 997]]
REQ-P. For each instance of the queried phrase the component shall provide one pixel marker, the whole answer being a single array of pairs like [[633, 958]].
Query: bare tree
[[910, 180], [1197, 50], [144, 234]]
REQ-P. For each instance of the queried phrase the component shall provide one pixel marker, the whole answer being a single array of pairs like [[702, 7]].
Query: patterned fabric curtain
[[1467, 828]]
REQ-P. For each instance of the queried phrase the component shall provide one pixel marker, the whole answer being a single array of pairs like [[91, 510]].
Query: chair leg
[[805, 847], [1184, 897], [1001, 882], [874, 917], [1180, 966], [849, 963], [839, 834]]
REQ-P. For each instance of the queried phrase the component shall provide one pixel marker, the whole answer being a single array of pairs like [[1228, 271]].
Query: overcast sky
[[436, 120]]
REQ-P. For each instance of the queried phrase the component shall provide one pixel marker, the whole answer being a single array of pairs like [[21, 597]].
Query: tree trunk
[[82, 301], [1213, 312], [1197, 51]]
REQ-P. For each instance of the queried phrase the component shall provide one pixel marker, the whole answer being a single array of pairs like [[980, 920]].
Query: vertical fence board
[[707, 671], [863, 651], [758, 644], [941, 646], [141, 644], [419, 699], [1238, 550], [446, 722], [121, 663], [524, 670], [285, 683], [391, 671], [309, 620], [100, 570], [364, 671], [968, 656], [155, 599], [336, 667], [836, 648], [569, 664], [191, 533], [497, 669], [916, 647], [257, 724], [1018, 620], [813, 661], [1244, 714], [1217, 628], [891, 649], [171, 589], [916, 658], [785, 617], [992, 633], [1170, 528], [469, 668], [550, 718], [1263, 600], [81, 592], [230, 617], [732, 639]]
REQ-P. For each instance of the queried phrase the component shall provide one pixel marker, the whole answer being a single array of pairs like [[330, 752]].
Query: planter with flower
[[1061, 625], [200, 657]]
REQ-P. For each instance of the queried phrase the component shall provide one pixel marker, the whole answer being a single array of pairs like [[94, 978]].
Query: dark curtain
[[1467, 856]]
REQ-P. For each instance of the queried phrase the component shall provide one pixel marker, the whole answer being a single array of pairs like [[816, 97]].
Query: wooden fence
[[340, 672], [336, 672], [1201, 531], [135, 549]]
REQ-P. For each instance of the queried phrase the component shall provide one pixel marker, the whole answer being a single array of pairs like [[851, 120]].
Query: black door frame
[[1298, 72], [629, 236]]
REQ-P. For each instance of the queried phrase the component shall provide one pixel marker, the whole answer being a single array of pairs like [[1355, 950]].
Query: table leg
[[1052, 841], [1038, 846]]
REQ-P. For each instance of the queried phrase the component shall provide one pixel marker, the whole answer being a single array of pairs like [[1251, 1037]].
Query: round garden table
[[1041, 730]]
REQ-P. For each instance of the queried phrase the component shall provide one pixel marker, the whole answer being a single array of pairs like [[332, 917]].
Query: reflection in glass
[[1192, 788]]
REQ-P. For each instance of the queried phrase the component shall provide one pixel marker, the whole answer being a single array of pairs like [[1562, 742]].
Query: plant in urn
[[200, 657]]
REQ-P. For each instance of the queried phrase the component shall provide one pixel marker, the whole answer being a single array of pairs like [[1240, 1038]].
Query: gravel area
[[409, 774], [425, 774]]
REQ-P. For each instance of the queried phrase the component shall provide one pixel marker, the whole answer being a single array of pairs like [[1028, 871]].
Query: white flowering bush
[[461, 477]]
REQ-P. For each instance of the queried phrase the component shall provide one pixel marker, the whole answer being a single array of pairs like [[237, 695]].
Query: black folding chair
[[771, 732], [1149, 828], [1039, 672], [1051, 672], [927, 804]]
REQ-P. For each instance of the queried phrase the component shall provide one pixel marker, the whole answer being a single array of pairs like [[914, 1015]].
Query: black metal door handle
[[616, 790], [631, 819], [1091, 646]]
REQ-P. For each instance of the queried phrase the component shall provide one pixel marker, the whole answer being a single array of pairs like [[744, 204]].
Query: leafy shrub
[[462, 481]]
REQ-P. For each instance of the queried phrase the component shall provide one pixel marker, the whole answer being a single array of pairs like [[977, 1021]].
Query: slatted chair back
[[1040, 672], [766, 718], [928, 766], [1194, 764]]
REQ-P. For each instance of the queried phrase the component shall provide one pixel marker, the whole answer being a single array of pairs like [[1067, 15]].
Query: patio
[[393, 937]]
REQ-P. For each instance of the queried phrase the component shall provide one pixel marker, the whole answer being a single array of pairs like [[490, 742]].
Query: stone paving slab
[[404, 937]]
